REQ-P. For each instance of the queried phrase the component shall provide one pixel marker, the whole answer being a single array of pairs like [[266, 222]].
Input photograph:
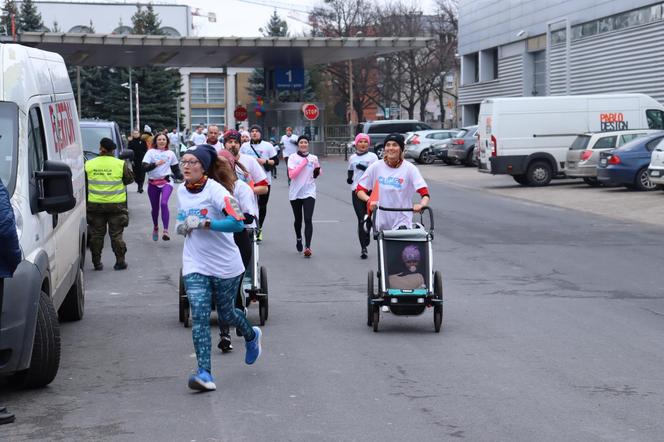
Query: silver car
[[419, 144], [583, 155]]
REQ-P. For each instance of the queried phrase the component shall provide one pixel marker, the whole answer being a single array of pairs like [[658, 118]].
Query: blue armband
[[228, 224]]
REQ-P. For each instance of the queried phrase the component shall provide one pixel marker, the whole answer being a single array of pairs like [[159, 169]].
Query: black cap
[[396, 137], [303, 137], [257, 127], [107, 144]]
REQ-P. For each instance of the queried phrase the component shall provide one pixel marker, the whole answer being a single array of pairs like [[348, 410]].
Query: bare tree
[[445, 59]]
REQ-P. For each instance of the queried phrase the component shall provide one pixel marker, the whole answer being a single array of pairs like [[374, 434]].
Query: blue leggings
[[199, 291]]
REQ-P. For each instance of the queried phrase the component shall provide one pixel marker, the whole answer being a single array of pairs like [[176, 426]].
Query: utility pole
[[131, 104]]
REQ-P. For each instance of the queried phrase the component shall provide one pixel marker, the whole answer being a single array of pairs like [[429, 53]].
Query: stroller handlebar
[[406, 209]]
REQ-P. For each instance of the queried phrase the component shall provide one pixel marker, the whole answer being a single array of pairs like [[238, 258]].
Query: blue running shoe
[[202, 381], [253, 347]]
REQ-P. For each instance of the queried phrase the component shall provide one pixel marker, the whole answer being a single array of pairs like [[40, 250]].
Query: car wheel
[[380, 151], [448, 161], [521, 179], [539, 173], [470, 159], [45, 349], [73, 307], [426, 157], [591, 181], [642, 181]]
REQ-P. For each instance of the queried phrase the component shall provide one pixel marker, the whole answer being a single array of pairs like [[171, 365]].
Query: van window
[[580, 143], [8, 144], [378, 128], [36, 141], [605, 143], [655, 119]]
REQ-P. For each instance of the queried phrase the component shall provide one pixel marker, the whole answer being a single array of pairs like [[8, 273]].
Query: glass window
[[8, 141], [588, 29], [624, 139], [655, 119], [605, 143], [606, 24], [206, 116], [558, 37], [580, 143], [576, 32], [653, 144], [93, 135], [36, 143], [207, 89]]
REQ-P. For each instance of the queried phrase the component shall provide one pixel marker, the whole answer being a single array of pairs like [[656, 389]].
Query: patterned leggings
[[200, 289]]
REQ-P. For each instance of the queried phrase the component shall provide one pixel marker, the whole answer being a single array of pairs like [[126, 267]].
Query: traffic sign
[[310, 111], [240, 113], [289, 78]]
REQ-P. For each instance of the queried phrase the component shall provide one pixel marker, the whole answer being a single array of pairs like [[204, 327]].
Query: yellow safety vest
[[105, 180]]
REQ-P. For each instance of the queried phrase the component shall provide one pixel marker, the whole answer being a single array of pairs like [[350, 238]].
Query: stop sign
[[310, 111], [240, 113]]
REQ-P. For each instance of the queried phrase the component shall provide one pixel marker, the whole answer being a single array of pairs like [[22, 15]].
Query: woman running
[[397, 182], [303, 169], [246, 199], [357, 165], [160, 163], [211, 262]]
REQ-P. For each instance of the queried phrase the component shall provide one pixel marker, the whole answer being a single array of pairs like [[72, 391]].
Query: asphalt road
[[553, 331]]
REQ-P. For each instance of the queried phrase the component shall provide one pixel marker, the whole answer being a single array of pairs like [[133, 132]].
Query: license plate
[[602, 162], [654, 173]]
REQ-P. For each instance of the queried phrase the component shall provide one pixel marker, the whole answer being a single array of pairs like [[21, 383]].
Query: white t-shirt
[[198, 139], [304, 185], [217, 146], [264, 149], [290, 145], [246, 199], [205, 251], [154, 155], [366, 160], [396, 188], [174, 139], [253, 167]]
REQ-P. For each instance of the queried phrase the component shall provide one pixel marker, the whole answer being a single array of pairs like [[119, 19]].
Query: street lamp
[[131, 104]]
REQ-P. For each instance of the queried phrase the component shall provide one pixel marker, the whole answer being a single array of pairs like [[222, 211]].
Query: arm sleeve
[[127, 175], [149, 166], [295, 171], [423, 191], [228, 224], [175, 170]]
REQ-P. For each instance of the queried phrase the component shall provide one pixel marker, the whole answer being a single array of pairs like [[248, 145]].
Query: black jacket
[[10, 252]]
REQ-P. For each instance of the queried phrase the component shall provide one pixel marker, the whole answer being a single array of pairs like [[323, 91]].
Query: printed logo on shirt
[[183, 214], [391, 181]]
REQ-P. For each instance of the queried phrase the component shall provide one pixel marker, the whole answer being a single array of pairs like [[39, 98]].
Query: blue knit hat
[[205, 153]]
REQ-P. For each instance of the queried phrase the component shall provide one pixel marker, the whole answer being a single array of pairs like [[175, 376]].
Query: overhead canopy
[[144, 50]]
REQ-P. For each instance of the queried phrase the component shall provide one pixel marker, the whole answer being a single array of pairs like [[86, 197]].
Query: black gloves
[[316, 172]]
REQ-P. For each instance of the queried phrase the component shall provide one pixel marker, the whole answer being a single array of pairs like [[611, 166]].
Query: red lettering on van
[[611, 117]]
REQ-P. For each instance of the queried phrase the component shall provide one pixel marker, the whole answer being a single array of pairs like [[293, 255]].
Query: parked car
[[583, 154], [628, 165], [656, 167], [94, 130], [378, 130], [419, 144], [461, 147]]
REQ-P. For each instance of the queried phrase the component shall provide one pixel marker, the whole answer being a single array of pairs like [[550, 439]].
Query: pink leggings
[[159, 197]]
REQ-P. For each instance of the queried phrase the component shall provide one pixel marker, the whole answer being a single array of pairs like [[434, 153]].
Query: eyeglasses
[[185, 163]]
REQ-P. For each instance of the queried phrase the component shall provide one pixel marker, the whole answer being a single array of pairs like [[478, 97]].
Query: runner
[[267, 157], [246, 199], [303, 169], [198, 137], [244, 137], [211, 261], [160, 163], [398, 181], [357, 165], [213, 138], [248, 169], [289, 143]]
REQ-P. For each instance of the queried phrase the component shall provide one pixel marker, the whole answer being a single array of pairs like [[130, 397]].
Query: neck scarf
[[302, 154], [394, 165], [197, 186]]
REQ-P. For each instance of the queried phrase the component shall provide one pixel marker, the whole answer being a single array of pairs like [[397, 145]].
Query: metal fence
[[337, 138]]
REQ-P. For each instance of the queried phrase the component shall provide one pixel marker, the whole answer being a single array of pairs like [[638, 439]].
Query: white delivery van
[[528, 137], [41, 163]]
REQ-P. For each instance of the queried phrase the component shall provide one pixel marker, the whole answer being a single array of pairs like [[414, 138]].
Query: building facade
[[558, 47]]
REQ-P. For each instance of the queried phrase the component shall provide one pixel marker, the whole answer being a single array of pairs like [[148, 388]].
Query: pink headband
[[362, 136]]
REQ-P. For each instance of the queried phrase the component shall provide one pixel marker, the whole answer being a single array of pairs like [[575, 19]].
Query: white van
[[41, 163], [528, 137]]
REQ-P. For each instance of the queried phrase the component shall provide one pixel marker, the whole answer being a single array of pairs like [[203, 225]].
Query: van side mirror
[[57, 190], [126, 155]]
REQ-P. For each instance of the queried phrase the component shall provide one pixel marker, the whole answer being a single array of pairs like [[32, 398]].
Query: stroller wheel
[[376, 317], [262, 309], [370, 285], [263, 284], [438, 294], [183, 303]]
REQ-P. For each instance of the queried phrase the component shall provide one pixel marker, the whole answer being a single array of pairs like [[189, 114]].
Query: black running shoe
[[298, 245], [225, 344], [364, 254]]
